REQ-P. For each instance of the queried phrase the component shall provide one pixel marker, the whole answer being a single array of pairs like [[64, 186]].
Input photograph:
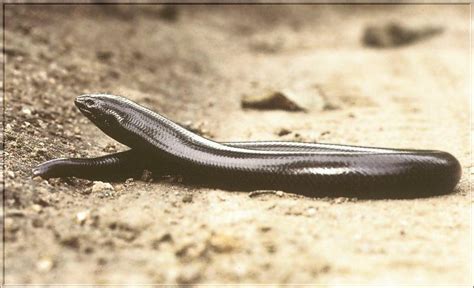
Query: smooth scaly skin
[[131, 162], [315, 170]]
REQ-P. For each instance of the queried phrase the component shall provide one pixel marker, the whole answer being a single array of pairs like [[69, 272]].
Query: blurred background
[[372, 75]]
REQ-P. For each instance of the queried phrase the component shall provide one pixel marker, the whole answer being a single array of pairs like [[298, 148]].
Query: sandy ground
[[195, 64]]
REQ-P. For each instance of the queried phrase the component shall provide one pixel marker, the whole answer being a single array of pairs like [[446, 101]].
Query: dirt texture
[[194, 64]]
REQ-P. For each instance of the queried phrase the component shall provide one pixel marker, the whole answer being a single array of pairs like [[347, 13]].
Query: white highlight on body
[[327, 170]]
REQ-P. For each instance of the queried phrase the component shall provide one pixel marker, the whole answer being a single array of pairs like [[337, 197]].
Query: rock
[[26, 111], [37, 223], [40, 151], [82, 216], [340, 200], [36, 208], [44, 264], [110, 148], [15, 213], [394, 35], [43, 201], [265, 229], [11, 225], [188, 198], [311, 211], [165, 238], [10, 174], [71, 241], [104, 55], [192, 250], [283, 132], [223, 243], [272, 100], [101, 187]]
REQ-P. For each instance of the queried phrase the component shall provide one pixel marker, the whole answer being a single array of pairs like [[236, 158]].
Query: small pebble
[[340, 200], [104, 55], [129, 182], [265, 228], [271, 100], [110, 148], [82, 216], [325, 133], [36, 208], [15, 213], [311, 211], [99, 186], [283, 132], [10, 174], [222, 243], [395, 34], [26, 111], [37, 223], [188, 198], [44, 265], [10, 225], [40, 151]]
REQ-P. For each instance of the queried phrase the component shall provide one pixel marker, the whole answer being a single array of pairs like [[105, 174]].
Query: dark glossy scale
[[301, 168], [132, 162], [109, 167]]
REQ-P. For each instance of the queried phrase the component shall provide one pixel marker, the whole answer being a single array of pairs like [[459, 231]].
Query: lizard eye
[[89, 102]]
